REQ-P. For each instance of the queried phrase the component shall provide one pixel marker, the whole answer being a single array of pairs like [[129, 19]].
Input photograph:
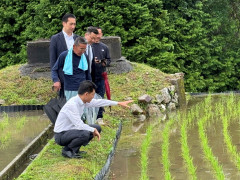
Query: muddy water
[[20, 137], [126, 163]]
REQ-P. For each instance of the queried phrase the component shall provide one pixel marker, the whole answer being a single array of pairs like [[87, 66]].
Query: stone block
[[120, 66], [154, 111], [114, 46], [38, 51], [136, 109], [145, 99]]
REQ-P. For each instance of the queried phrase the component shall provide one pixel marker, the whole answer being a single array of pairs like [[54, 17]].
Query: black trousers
[[72, 140]]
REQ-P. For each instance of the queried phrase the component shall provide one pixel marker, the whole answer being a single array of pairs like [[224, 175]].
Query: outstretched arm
[[105, 102], [125, 103]]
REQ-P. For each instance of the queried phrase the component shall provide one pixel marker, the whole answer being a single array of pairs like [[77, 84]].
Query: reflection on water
[[127, 166], [19, 137], [126, 163]]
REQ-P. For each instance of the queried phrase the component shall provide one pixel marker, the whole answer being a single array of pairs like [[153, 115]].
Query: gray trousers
[[72, 140]]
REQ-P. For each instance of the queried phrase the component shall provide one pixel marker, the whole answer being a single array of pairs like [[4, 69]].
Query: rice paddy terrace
[[17, 130], [199, 142]]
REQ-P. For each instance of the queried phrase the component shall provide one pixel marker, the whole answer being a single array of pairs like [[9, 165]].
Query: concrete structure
[[18, 162]]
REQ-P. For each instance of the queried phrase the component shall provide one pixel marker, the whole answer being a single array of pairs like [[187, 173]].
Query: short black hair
[[66, 16], [80, 40], [86, 86], [98, 27], [92, 29]]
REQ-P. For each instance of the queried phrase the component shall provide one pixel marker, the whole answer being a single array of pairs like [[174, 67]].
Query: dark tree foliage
[[199, 38]]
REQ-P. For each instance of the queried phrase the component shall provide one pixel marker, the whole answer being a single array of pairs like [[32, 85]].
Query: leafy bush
[[199, 38]]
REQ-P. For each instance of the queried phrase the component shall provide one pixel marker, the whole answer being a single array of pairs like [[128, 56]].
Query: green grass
[[143, 79], [51, 165], [17, 89]]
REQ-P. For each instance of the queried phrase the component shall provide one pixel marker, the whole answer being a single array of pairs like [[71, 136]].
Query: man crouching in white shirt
[[70, 131]]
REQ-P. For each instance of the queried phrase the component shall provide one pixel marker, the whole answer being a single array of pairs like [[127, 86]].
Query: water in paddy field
[[126, 164], [17, 130]]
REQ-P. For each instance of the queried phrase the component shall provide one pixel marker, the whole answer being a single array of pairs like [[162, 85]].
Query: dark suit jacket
[[57, 46]]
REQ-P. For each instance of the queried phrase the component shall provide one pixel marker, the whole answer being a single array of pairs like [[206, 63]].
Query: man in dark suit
[[61, 42], [91, 36], [102, 55]]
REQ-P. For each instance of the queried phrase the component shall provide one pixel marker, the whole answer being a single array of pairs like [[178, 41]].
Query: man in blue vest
[[75, 65]]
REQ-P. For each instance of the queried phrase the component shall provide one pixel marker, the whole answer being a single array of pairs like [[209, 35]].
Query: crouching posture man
[[70, 131]]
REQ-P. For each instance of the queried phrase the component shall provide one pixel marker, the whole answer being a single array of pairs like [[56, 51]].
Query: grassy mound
[[16, 89]]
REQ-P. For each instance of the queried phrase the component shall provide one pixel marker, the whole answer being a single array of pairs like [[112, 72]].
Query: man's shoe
[[70, 154], [100, 121], [67, 154], [75, 155], [82, 152]]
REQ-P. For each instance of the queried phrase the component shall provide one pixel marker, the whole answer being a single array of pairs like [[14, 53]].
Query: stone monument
[[38, 58], [119, 64]]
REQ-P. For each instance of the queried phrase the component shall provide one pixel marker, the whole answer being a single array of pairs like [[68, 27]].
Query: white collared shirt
[[70, 115], [69, 40]]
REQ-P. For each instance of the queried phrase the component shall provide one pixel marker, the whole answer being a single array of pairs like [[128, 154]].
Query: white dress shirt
[[70, 115], [69, 40]]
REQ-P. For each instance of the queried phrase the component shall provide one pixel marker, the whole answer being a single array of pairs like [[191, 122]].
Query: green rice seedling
[[20, 122], [208, 151], [185, 150], [219, 108], [165, 150], [192, 115], [207, 105], [5, 122], [230, 147], [144, 153], [230, 106], [238, 108], [234, 108], [208, 102], [4, 140]]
